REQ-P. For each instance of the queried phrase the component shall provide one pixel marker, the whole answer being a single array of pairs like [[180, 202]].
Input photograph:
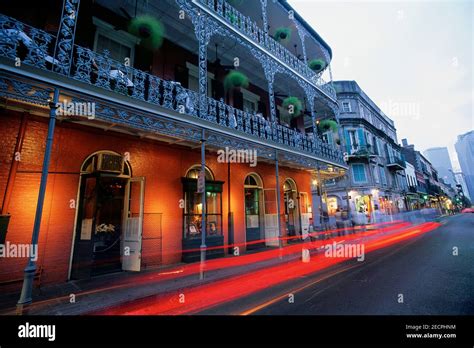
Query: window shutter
[[348, 141], [262, 108], [218, 90], [330, 138], [181, 75], [238, 100], [360, 134]]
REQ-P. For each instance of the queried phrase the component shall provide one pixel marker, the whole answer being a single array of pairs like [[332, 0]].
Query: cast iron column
[[204, 206], [30, 269]]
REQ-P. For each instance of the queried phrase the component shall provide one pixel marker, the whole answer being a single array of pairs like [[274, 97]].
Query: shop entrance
[[292, 212], [255, 231], [109, 218]]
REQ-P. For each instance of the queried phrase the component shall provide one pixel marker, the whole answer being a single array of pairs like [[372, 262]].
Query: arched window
[[292, 211], [253, 180], [107, 162], [193, 173], [254, 215], [193, 210]]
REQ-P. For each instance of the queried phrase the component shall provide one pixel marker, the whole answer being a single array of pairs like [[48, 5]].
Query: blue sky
[[413, 58]]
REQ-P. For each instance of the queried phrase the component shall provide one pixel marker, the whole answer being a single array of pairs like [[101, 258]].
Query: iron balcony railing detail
[[250, 29], [35, 48]]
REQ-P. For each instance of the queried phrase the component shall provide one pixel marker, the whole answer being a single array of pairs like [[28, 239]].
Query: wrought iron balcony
[[245, 26], [396, 163], [357, 151], [36, 48]]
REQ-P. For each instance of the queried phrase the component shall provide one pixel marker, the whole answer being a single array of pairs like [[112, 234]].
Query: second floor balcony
[[100, 76], [396, 163]]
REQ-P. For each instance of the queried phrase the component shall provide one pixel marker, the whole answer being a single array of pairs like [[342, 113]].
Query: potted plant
[[293, 105], [149, 29], [317, 65], [326, 125], [235, 79], [4, 221], [282, 34]]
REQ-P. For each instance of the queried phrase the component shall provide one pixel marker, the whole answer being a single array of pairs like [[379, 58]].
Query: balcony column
[[203, 30], [310, 95], [269, 69], [277, 185], [317, 201], [264, 16], [64, 47], [302, 35], [30, 269]]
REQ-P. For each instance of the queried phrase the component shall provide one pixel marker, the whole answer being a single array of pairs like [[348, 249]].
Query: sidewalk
[[100, 293]]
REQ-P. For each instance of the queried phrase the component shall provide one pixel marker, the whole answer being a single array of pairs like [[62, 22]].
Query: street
[[405, 271], [424, 270]]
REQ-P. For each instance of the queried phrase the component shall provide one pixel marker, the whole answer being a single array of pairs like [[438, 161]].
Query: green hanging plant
[[149, 29], [293, 106], [235, 79], [326, 125], [282, 34], [317, 65]]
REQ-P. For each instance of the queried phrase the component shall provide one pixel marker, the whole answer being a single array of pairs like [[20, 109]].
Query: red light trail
[[195, 299]]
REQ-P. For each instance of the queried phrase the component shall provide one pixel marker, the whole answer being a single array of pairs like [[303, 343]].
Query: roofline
[[307, 26]]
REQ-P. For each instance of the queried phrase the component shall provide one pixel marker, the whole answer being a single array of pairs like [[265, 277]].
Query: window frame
[[123, 38], [359, 165], [348, 103]]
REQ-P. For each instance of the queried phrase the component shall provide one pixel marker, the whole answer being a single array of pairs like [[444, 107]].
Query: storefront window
[[193, 208]]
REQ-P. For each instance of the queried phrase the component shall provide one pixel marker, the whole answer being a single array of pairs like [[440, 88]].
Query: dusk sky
[[414, 59]]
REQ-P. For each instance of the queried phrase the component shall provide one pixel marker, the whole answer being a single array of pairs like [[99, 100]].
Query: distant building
[[376, 181], [439, 157], [462, 182], [429, 188], [465, 150]]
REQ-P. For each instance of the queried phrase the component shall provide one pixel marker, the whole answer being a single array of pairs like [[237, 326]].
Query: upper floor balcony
[[261, 24], [36, 54], [396, 163]]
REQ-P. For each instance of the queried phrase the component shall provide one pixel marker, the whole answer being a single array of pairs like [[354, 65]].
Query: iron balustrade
[[35, 47]]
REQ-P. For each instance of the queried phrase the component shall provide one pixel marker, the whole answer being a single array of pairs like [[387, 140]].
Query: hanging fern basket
[[293, 106], [317, 65], [328, 125], [149, 29], [235, 79], [282, 34]]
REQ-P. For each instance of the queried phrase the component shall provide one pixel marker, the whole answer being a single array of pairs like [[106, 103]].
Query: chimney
[[404, 142]]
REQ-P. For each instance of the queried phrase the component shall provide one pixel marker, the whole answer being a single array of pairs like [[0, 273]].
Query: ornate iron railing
[[27, 45], [251, 30]]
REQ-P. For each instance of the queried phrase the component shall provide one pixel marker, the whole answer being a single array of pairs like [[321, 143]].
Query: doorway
[[109, 217], [292, 212], [254, 229]]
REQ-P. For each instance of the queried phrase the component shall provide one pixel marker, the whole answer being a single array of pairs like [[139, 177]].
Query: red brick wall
[[161, 165]]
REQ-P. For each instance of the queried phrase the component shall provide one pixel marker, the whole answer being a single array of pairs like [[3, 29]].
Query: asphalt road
[[424, 270]]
